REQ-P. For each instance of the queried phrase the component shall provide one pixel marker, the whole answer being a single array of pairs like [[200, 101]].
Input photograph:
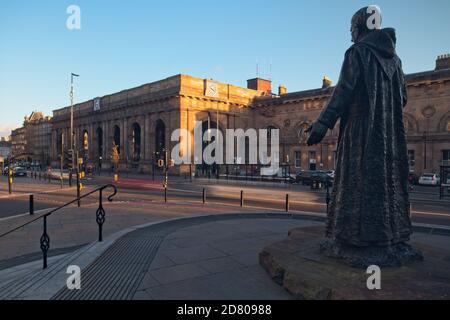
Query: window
[[446, 157], [298, 159], [312, 161], [448, 125], [411, 158]]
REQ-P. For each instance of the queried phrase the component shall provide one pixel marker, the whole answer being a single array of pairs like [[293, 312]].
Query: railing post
[[100, 215], [204, 195], [242, 198], [287, 202], [45, 243], [31, 204]]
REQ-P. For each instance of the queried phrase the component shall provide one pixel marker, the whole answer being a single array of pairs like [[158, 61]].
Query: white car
[[429, 179]]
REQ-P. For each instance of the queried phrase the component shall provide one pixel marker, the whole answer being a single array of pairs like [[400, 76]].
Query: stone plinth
[[298, 266]]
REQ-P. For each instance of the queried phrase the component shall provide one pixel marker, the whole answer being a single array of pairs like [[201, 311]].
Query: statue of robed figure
[[369, 214]]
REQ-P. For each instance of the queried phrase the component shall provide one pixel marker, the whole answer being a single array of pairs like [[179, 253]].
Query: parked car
[[322, 177], [413, 179], [304, 177], [19, 172], [429, 179]]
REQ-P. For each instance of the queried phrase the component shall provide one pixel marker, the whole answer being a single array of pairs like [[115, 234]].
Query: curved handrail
[[110, 199]]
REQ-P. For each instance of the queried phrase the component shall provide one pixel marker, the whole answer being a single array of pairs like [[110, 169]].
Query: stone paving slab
[[234, 274], [77, 226]]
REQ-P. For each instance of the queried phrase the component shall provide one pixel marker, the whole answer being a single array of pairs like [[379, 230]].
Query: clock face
[[212, 90]]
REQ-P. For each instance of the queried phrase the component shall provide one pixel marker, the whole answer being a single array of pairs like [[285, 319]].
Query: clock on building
[[211, 89]]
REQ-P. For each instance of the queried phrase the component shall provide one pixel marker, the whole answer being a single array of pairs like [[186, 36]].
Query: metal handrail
[[45, 239]]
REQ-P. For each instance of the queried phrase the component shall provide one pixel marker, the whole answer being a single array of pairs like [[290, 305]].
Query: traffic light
[[68, 159]]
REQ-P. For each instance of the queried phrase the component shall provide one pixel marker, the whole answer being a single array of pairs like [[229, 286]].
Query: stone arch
[[411, 124], [444, 123], [300, 130]]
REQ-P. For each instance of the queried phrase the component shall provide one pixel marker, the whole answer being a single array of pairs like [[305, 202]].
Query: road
[[425, 206]]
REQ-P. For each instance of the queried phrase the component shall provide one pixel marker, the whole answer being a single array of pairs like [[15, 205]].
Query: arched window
[[117, 137], [160, 140], [99, 142], [302, 134], [136, 142], [85, 140]]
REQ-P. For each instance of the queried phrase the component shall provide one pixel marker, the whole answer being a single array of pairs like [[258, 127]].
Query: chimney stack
[[326, 82], [281, 89], [443, 62], [261, 85]]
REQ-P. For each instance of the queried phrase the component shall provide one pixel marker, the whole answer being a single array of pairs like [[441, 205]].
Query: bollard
[[287, 202], [204, 196], [10, 181], [31, 204], [242, 198], [165, 194]]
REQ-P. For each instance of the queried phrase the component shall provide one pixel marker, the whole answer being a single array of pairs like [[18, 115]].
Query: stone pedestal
[[297, 264]]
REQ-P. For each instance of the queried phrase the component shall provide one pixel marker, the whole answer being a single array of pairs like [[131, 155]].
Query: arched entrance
[[117, 138], [205, 169], [99, 134], [136, 142], [160, 140]]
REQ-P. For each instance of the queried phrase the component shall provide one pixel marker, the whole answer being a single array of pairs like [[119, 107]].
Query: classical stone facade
[[32, 142], [141, 120]]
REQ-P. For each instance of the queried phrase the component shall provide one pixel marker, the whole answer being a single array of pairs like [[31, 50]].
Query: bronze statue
[[369, 216]]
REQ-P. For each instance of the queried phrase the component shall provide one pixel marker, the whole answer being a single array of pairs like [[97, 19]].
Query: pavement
[[205, 256]]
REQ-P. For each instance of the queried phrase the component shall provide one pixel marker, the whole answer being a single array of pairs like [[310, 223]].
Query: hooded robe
[[370, 199]]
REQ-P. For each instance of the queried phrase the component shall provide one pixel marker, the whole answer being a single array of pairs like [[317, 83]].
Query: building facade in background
[[32, 142], [140, 121], [5, 151]]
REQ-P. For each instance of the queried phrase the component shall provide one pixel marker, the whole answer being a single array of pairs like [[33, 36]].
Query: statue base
[[297, 264], [362, 257]]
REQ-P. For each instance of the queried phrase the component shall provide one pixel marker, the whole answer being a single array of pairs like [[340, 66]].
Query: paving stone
[[219, 264], [194, 253], [178, 273]]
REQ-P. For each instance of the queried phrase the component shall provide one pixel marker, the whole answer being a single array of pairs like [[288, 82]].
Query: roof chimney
[[326, 82], [282, 89], [260, 84], [443, 62]]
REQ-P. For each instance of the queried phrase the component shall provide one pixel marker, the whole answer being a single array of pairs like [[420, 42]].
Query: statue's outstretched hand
[[316, 133]]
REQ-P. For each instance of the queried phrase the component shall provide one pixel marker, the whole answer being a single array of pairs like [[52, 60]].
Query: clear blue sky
[[123, 44]]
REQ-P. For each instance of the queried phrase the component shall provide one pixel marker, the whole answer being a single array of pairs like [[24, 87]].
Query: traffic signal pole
[[62, 160]]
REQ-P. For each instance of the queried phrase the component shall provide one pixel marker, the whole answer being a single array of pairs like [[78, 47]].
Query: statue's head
[[364, 21]]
